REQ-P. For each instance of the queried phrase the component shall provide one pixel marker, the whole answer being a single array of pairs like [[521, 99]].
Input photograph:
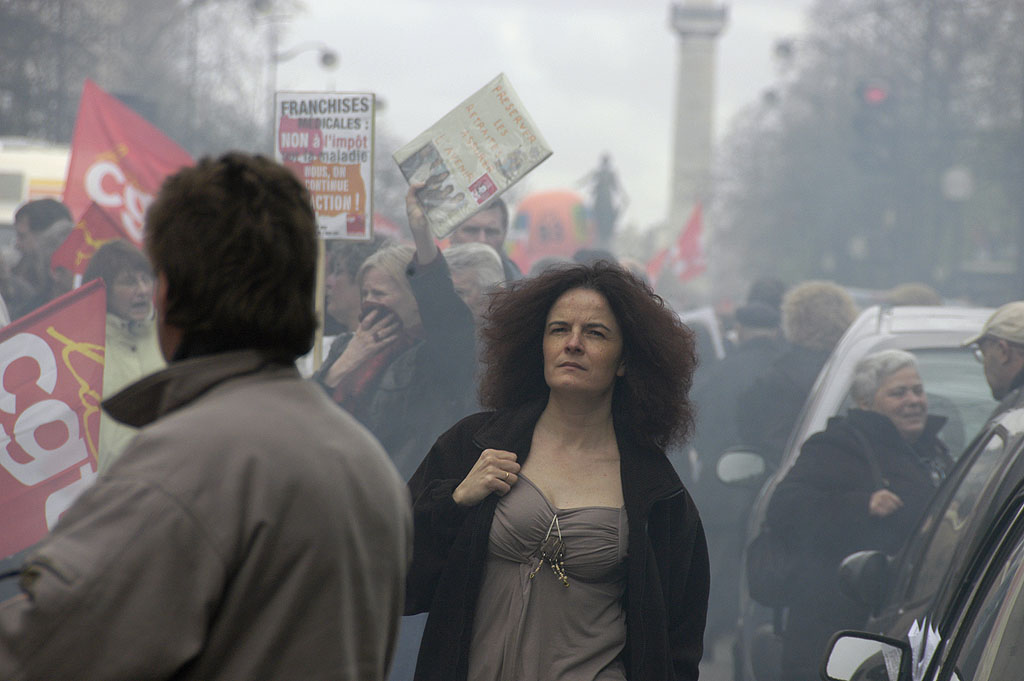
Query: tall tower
[[697, 23]]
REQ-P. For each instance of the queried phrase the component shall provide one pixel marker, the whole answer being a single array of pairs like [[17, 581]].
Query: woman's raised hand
[[495, 471]]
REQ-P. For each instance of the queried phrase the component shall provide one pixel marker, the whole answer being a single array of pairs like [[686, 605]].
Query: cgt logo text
[[107, 185], [41, 435]]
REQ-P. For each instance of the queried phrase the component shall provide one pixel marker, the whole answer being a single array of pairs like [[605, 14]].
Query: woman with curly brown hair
[[553, 539]]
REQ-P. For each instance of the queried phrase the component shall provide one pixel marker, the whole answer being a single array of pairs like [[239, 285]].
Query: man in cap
[[1000, 349]]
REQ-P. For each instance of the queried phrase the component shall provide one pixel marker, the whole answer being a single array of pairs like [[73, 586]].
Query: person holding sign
[[553, 539], [407, 370]]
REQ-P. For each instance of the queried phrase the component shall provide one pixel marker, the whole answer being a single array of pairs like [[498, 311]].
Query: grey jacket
[[252, 530]]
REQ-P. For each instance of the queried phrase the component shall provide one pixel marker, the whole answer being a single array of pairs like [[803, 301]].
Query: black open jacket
[[667, 563]]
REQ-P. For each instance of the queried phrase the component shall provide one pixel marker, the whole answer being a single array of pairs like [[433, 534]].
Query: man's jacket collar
[[164, 391]]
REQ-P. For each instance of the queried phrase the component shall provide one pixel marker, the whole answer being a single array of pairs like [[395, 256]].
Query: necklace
[[552, 550]]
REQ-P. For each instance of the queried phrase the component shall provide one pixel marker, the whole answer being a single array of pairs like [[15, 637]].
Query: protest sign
[[51, 380], [118, 161], [326, 138], [474, 153]]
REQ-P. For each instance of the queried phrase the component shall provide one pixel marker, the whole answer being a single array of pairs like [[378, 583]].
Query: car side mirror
[[864, 578], [741, 468], [859, 656]]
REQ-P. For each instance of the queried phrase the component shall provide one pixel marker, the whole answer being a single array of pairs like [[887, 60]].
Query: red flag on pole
[[118, 161], [92, 230], [51, 379], [685, 258]]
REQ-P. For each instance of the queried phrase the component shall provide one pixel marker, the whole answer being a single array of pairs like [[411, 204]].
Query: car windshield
[[956, 389]]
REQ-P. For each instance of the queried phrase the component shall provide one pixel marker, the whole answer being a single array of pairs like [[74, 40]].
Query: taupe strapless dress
[[537, 629]]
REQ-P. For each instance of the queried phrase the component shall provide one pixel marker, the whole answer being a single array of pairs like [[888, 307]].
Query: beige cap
[[1006, 323]]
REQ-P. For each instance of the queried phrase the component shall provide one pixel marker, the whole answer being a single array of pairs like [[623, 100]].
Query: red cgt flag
[[92, 230], [51, 379], [685, 258], [118, 161]]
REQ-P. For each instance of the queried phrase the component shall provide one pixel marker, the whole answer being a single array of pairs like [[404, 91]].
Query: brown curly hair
[[650, 402]]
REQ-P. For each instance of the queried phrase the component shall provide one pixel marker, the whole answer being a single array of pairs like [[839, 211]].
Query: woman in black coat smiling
[[862, 483]]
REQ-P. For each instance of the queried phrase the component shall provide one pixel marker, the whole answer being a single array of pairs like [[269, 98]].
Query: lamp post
[[328, 58], [192, 9]]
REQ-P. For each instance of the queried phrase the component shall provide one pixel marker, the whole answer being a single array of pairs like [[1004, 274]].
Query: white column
[[697, 23]]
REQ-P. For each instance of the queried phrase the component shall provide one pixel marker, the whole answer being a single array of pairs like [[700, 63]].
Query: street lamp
[[329, 59]]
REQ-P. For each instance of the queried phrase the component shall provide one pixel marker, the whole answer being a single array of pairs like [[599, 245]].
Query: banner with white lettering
[[51, 380], [118, 161], [326, 138]]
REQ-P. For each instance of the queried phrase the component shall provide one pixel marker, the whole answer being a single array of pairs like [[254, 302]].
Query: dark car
[[952, 605]]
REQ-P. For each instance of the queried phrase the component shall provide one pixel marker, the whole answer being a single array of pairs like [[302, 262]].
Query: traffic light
[[874, 94], [874, 123]]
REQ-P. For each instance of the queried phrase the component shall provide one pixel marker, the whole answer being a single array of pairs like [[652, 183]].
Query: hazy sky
[[596, 75]]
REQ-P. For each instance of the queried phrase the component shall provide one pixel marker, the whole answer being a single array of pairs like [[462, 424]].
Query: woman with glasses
[[132, 350]]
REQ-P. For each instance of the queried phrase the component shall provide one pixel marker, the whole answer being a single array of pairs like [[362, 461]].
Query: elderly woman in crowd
[[132, 349], [815, 315], [406, 371], [553, 539], [862, 483], [476, 271]]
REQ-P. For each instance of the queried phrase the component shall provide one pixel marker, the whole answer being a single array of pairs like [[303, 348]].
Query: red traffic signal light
[[874, 93]]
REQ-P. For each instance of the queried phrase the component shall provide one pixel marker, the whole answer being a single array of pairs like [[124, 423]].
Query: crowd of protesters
[[249, 523]]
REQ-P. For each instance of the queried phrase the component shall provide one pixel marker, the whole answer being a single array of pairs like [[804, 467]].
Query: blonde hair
[[393, 261], [815, 314]]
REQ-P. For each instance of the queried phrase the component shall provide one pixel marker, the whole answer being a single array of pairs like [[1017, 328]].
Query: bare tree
[[840, 172]]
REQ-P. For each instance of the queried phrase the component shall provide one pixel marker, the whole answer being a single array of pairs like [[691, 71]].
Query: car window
[[943, 529], [993, 645], [956, 389]]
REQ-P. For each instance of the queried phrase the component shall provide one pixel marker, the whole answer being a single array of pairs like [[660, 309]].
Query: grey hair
[[478, 258], [872, 370]]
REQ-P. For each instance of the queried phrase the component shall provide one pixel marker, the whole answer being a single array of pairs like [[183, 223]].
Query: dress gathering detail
[[537, 628]]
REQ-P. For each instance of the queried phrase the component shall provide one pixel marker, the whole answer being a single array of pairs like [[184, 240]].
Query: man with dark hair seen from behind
[[489, 226], [1000, 348], [252, 530]]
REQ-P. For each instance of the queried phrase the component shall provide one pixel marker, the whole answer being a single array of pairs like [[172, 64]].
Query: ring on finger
[[506, 475]]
